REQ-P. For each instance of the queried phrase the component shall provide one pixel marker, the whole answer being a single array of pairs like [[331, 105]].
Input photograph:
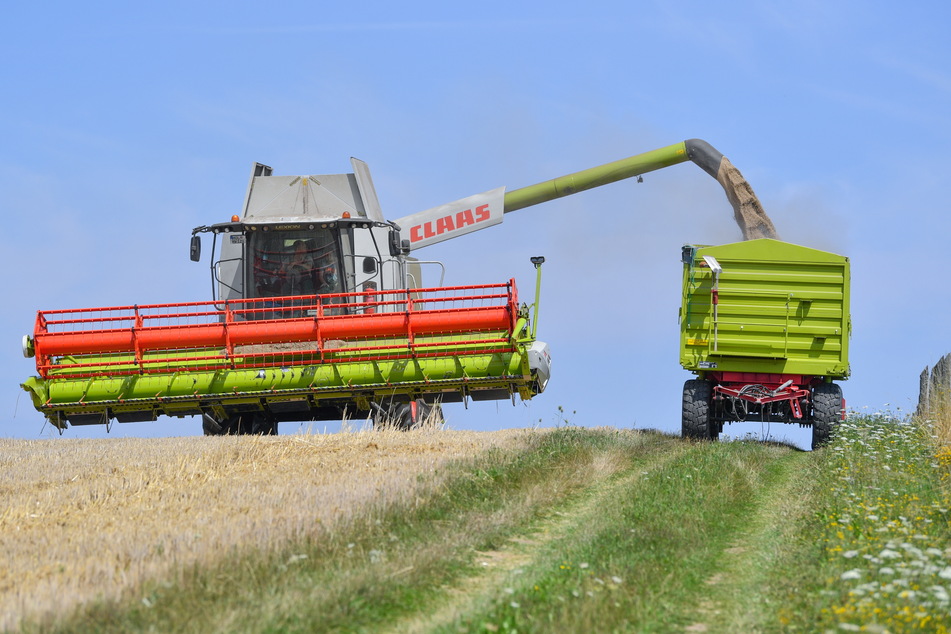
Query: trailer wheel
[[826, 412], [696, 422]]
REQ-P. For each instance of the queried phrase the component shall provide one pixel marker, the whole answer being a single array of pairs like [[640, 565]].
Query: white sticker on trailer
[[454, 219]]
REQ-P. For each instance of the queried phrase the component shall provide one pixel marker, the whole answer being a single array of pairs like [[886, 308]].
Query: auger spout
[[747, 209]]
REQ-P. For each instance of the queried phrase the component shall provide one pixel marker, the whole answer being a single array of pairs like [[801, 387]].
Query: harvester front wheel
[[405, 416], [261, 425], [696, 422], [211, 427], [826, 412], [240, 425]]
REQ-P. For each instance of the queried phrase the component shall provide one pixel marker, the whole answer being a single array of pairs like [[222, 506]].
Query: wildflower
[[849, 554], [850, 574]]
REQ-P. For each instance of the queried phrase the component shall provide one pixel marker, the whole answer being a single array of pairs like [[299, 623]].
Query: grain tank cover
[[773, 307], [310, 197]]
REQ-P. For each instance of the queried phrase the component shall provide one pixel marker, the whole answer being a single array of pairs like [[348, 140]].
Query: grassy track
[[590, 530]]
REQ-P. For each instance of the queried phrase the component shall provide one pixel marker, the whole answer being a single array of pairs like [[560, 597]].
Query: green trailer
[[764, 326]]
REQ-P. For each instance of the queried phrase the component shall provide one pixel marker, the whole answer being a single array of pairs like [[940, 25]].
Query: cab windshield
[[294, 263]]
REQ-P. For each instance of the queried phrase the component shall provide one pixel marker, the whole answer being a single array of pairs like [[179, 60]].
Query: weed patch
[[876, 549]]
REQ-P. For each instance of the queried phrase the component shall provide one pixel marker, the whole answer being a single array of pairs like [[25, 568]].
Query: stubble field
[[83, 519]]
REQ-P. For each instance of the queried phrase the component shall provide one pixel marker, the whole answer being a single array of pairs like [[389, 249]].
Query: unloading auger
[[318, 312]]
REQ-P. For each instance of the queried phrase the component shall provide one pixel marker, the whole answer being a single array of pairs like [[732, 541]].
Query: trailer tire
[[826, 412], [696, 421]]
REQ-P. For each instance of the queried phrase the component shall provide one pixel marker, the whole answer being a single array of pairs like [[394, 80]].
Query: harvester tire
[[696, 422], [826, 412], [237, 425], [400, 416], [261, 425], [211, 427]]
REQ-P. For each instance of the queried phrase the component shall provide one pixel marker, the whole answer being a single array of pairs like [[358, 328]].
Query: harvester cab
[[306, 235]]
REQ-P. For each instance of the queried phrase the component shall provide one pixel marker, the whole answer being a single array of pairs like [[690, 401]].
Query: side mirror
[[369, 265], [394, 243], [195, 250]]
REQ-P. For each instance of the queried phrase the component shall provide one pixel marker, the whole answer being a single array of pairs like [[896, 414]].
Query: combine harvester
[[318, 312]]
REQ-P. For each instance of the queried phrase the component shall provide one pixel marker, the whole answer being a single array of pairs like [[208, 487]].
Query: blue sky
[[126, 125]]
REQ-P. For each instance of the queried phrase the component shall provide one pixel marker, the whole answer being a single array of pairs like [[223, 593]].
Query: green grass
[[640, 559], [873, 554], [602, 530]]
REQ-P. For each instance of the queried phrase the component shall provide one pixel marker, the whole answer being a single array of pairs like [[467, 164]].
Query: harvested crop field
[[88, 518]]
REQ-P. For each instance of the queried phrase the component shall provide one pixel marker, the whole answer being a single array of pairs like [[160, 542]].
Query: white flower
[[889, 554], [946, 573], [850, 553], [617, 580], [886, 571], [850, 574]]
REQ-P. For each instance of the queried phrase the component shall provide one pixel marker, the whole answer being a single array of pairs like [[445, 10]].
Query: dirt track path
[[734, 594], [736, 600], [502, 568]]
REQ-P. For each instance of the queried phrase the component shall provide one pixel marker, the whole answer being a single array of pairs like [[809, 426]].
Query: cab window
[[294, 263]]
